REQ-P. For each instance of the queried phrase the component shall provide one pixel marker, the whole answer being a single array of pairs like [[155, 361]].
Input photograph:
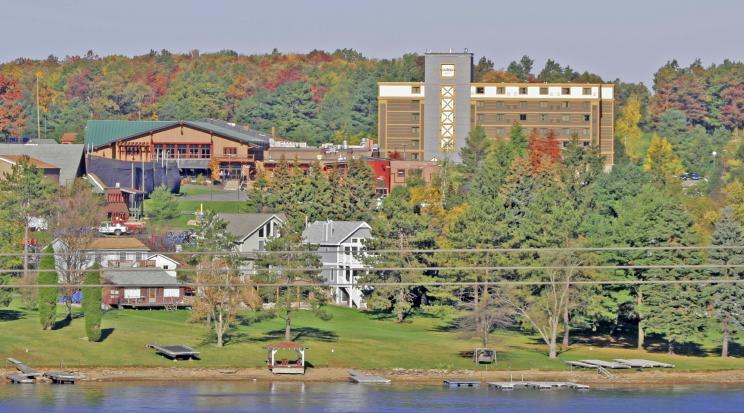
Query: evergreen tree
[[92, 304], [47, 295], [728, 297], [476, 150], [518, 138], [163, 204]]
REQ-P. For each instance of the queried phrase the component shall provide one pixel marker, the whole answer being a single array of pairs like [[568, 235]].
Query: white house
[[340, 247]]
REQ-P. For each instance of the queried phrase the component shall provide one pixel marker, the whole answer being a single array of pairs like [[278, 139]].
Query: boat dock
[[61, 377], [175, 352], [362, 378], [461, 383], [618, 364], [20, 379], [537, 385]]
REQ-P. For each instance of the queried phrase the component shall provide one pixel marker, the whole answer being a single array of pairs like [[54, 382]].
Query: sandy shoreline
[[649, 377]]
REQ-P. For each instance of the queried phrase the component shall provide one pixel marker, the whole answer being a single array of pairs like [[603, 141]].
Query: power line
[[404, 284]]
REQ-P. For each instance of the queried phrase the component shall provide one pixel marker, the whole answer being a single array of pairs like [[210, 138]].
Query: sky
[[626, 39]]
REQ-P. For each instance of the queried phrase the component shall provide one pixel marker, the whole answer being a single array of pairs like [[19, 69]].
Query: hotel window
[[564, 105], [543, 91], [585, 143], [479, 90], [414, 144], [566, 132], [565, 144], [500, 131], [523, 105], [230, 151], [415, 90], [414, 130], [479, 118], [585, 132], [565, 118], [566, 91], [501, 90], [499, 116], [522, 116], [586, 91], [480, 104], [415, 117], [543, 117], [522, 90], [499, 104], [543, 105], [206, 151], [586, 118]]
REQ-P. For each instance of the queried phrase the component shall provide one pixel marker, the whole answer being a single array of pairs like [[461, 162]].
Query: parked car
[[112, 228], [695, 176]]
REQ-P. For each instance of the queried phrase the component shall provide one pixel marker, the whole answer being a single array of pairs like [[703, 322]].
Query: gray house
[[340, 244], [252, 231]]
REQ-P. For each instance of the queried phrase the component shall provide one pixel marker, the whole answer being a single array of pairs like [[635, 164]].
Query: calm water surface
[[341, 397]]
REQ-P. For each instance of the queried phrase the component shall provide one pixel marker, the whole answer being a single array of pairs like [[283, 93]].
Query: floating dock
[[537, 385], [61, 377], [20, 379], [362, 378], [644, 364], [24, 369], [460, 383], [617, 364], [175, 352]]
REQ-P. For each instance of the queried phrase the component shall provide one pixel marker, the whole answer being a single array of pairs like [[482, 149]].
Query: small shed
[[285, 366]]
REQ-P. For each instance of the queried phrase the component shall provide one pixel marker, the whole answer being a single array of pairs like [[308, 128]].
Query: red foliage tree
[[543, 150], [11, 111], [732, 113], [283, 76]]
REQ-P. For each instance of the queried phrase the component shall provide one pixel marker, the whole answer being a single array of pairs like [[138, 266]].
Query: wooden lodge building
[[147, 287], [196, 146]]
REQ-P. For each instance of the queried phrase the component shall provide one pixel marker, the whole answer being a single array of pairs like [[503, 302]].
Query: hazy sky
[[629, 39]]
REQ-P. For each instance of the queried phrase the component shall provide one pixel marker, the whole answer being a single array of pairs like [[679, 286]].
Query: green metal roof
[[103, 132]]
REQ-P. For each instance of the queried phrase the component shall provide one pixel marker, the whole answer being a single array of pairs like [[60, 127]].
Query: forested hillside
[[312, 97]]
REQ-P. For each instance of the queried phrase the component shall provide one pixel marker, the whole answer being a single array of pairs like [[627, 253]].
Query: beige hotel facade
[[430, 120]]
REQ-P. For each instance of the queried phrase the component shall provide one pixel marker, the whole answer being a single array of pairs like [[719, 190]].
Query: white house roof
[[331, 232]]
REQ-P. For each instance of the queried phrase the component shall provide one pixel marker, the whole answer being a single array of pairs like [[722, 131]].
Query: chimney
[[327, 230], [273, 132]]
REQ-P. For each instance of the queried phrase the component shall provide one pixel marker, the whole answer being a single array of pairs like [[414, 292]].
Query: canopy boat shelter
[[285, 366]]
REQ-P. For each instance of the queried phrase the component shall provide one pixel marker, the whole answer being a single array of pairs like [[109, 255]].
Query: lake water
[[342, 397]]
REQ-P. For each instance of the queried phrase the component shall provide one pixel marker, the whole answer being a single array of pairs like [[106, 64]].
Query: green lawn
[[349, 339], [190, 189], [189, 207]]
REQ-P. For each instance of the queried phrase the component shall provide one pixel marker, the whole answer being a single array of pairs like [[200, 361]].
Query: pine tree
[[728, 297], [518, 138], [163, 204], [476, 150], [92, 304], [47, 295]]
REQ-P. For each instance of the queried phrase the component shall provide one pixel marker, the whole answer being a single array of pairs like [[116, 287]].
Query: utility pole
[[38, 117]]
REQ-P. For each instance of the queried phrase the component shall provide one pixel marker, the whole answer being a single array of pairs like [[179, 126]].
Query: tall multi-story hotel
[[430, 120]]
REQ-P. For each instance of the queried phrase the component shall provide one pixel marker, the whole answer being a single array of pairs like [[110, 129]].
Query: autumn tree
[[483, 316], [627, 130], [661, 161], [78, 211], [11, 109]]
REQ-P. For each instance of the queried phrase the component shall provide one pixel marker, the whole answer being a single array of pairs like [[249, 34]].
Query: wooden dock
[[24, 369], [644, 364], [617, 364], [461, 383], [61, 377], [20, 379], [362, 378], [537, 385], [175, 352]]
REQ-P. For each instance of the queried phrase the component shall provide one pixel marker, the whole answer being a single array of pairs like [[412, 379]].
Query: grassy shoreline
[[350, 339]]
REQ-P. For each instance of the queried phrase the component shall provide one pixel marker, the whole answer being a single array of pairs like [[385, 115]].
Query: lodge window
[[415, 89], [171, 150], [182, 150], [566, 91], [522, 90], [522, 116], [401, 173], [206, 151], [543, 91], [230, 151], [193, 151], [586, 91], [500, 90], [122, 256], [132, 151], [479, 90], [114, 293]]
